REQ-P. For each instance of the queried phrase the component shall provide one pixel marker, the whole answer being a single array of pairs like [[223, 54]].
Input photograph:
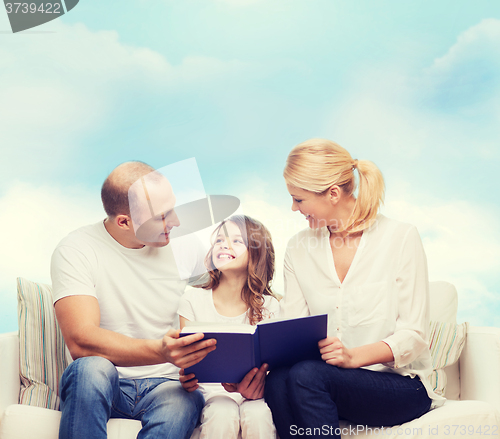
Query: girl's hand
[[230, 387], [252, 386], [335, 353], [189, 382]]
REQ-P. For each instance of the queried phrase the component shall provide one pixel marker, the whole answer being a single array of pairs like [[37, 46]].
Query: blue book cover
[[242, 347]]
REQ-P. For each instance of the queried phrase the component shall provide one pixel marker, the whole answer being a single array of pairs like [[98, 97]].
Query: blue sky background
[[412, 86]]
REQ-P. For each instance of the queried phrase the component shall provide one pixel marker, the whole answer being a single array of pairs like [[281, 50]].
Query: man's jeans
[[315, 395], [91, 393]]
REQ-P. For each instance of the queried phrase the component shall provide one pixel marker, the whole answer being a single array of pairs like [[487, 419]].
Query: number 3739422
[[33, 8]]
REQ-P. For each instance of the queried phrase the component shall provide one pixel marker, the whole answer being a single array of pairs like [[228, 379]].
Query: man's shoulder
[[83, 238]]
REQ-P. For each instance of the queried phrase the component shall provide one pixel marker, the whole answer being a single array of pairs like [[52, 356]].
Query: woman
[[369, 273]]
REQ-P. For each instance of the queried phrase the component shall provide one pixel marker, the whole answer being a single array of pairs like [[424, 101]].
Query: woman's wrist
[[367, 355], [354, 358]]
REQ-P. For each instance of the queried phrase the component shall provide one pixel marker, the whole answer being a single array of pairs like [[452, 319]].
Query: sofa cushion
[[9, 370], [459, 417], [42, 355], [44, 424], [446, 342], [443, 306], [455, 419]]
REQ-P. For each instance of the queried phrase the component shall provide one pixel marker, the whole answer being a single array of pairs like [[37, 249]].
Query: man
[[116, 291]]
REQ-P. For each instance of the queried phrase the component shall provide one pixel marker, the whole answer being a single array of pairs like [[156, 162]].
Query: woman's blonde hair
[[318, 164], [260, 264]]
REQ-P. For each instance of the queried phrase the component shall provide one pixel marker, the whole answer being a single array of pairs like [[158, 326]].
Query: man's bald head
[[114, 192]]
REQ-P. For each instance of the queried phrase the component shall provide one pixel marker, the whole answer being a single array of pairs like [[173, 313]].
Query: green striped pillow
[[446, 341], [42, 352]]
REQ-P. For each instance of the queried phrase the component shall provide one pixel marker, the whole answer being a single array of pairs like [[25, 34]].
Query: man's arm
[[79, 318]]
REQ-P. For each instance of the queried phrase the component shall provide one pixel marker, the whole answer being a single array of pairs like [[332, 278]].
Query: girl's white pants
[[223, 417]]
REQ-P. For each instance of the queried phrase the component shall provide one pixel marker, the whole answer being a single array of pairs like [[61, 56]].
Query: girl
[[369, 273], [241, 267]]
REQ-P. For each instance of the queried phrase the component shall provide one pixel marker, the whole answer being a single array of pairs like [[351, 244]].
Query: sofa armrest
[[480, 366], [9, 370]]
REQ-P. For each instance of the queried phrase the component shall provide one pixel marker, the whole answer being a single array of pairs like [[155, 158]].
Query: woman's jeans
[[315, 395], [91, 393]]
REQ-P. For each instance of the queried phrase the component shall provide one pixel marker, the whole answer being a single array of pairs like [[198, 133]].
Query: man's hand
[[252, 386], [335, 353], [186, 351], [189, 382]]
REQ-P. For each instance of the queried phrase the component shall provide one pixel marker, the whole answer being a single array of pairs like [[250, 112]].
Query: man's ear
[[334, 193], [124, 222]]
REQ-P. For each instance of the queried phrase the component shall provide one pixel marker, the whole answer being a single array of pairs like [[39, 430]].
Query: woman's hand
[[252, 386], [189, 382], [335, 353]]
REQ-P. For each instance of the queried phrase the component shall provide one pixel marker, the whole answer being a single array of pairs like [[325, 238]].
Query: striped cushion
[[43, 356], [446, 341]]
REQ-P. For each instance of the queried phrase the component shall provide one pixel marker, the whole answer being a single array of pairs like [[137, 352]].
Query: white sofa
[[473, 389]]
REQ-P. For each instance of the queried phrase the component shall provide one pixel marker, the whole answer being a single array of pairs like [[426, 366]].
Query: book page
[[195, 327]]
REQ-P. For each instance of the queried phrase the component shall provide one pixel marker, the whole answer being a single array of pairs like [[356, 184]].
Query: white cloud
[[73, 53], [460, 235], [34, 220], [58, 88], [465, 82], [474, 59], [462, 243], [381, 116], [447, 107]]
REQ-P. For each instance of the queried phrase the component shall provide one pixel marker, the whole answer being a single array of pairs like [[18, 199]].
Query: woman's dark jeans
[[315, 395]]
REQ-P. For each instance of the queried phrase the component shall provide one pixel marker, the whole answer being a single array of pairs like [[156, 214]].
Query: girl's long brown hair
[[260, 265]]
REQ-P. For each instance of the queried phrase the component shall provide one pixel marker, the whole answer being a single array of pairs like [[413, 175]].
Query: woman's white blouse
[[384, 296]]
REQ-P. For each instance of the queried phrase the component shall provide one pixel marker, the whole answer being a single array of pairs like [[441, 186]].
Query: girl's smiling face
[[229, 251]]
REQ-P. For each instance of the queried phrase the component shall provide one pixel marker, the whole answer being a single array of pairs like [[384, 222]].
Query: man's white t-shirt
[[138, 290]]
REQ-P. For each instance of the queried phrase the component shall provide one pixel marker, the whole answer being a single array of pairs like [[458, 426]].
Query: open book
[[243, 347]]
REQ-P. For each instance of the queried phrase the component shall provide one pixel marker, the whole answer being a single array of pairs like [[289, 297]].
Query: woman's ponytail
[[370, 196]]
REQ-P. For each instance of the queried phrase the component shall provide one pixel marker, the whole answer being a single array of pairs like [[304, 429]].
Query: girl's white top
[[197, 305], [384, 296]]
